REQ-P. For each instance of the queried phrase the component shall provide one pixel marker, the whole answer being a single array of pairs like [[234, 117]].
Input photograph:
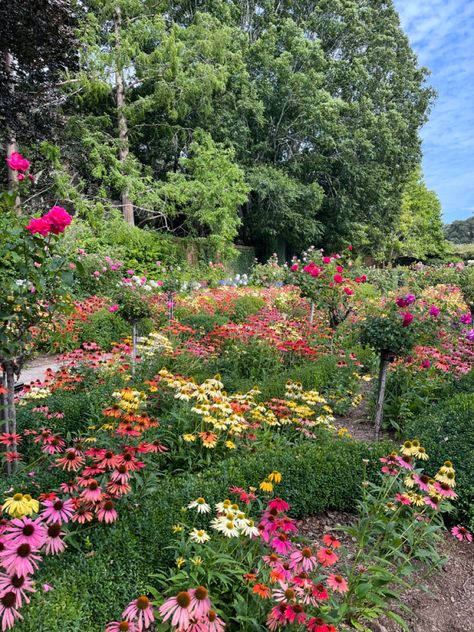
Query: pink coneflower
[[405, 461], [93, 492], [120, 475], [116, 489], [331, 541], [20, 560], [54, 543], [337, 583], [303, 560], [107, 513], [215, 623], [320, 592], [154, 447], [72, 460], [53, 445], [57, 510], [107, 459], [69, 488], [443, 489], [278, 504], [91, 471], [177, 609], [432, 502], [327, 557], [10, 438], [295, 612], [18, 584], [401, 498], [272, 559], [287, 525], [277, 617], [142, 610], [8, 611], [284, 594], [26, 531], [281, 544], [82, 515], [121, 626], [200, 602], [130, 461], [461, 533], [422, 481]]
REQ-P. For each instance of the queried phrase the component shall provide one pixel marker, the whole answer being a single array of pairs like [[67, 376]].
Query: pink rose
[[326, 259], [315, 272], [20, 177], [39, 225], [340, 269], [16, 162], [294, 267], [338, 278], [113, 308], [434, 311], [58, 219]]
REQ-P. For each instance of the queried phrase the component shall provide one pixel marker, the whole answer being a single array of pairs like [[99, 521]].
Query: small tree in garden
[[466, 284], [324, 280], [393, 331], [35, 280]]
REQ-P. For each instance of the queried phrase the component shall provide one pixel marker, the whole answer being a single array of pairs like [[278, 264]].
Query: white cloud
[[442, 34]]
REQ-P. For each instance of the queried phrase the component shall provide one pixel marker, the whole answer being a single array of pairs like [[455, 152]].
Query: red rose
[[338, 278]]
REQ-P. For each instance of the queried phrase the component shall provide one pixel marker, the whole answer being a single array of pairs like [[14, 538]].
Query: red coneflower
[[338, 583]]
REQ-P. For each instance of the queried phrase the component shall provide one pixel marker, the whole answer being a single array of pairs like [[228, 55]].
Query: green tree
[[461, 231]]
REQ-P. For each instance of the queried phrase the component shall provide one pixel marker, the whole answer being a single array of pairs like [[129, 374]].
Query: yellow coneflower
[[180, 562], [266, 486], [230, 445], [189, 437], [177, 528], [275, 477], [17, 506], [407, 448]]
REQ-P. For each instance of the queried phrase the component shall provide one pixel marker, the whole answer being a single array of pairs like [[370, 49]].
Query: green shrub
[[245, 306], [203, 321], [448, 434], [105, 328]]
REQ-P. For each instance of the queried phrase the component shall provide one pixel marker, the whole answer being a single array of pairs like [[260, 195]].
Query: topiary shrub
[[245, 306]]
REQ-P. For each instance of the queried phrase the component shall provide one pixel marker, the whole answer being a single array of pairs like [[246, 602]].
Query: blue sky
[[442, 34]]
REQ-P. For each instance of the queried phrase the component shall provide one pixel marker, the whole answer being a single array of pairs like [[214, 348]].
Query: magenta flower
[[434, 311], [58, 218], [303, 560], [114, 308], [26, 531], [121, 626], [16, 162], [407, 318], [38, 225], [20, 560], [200, 602], [142, 610], [18, 584], [177, 609], [54, 542], [461, 533], [57, 510], [8, 611], [465, 319]]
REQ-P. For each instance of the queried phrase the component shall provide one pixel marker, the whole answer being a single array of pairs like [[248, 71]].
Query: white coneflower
[[248, 528], [199, 535], [200, 505], [223, 506]]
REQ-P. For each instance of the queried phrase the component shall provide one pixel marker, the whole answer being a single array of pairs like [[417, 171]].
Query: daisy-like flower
[[303, 560], [327, 557], [121, 626], [446, 475], [19, 584], [177, 609], [54, 543], [432, 501], [420, 453], [93, 492], [423, 481], [316, 624], [214, 623], [284, 593], [106, 459], [262, 590], [223, 506], [281, 544], [10, 438], [226, 527], [295, 612], [278, 504], [20, 560], [117, 489], [445, 490], [274, 477], [141, 610], [200, 505], [200, 602], [407, 448], [405, 461], [72, 460], [266, 486], [17, 506], [248, 527], [331, 541], [461, 533], [337, 583], [8, 610], [106, 512], [199, 535], [120, 475], [320, 592], [57, 510], [69, 488], [26, 531], [277, 618], [401, 498]]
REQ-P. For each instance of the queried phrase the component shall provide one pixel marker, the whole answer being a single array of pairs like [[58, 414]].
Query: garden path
[[36, 368]]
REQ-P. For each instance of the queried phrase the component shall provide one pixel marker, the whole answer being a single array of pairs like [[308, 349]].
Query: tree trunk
[[127, 205], [11, 145], [9, 371], [383, 369]]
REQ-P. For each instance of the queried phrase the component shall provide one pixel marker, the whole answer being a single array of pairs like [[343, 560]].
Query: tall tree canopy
[[461, 231], [301, 117]]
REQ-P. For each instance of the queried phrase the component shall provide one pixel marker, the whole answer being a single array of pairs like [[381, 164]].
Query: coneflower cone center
[[143, 602], [201, 593], [183, 599]]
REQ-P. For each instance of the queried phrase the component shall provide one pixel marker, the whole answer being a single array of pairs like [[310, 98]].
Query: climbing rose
[[16, 162], [39, 225], [58, 218]]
